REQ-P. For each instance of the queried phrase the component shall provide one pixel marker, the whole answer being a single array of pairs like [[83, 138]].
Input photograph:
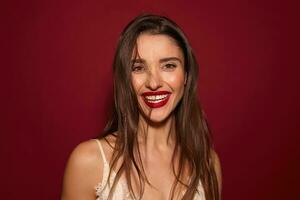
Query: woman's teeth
[[156, 98]]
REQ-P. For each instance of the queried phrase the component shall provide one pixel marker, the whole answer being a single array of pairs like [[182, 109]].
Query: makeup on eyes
[[137, 67]]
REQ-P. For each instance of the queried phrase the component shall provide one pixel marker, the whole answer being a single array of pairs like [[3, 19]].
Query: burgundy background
[[56, 87]]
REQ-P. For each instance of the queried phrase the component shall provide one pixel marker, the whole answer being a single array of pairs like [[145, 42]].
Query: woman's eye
[[169, 66], [137, 68]]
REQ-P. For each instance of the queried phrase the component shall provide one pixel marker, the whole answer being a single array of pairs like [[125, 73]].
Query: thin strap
[[101, 151]]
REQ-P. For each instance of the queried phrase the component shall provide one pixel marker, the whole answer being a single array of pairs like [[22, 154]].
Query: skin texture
[[154, 73], [85, 165]]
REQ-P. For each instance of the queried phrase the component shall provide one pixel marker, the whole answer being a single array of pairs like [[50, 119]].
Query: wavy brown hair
[[193, 144]]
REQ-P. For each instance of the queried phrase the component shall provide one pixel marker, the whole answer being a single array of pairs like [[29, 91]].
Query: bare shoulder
[[217, 166], [83, 171]]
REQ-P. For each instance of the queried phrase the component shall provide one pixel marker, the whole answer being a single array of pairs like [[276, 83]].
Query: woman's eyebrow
[[162, 60], [138, 60], [170, 59]]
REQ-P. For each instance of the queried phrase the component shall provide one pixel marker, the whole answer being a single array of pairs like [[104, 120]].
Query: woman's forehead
[[158, 46]]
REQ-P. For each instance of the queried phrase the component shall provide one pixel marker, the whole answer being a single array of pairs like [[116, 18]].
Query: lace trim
[[103, 192], [102, 189]]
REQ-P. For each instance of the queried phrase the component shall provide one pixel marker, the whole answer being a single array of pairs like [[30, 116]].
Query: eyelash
[[137, 68], [168, 66]]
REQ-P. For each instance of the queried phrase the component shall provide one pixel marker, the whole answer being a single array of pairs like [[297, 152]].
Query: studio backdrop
[[57, 88]]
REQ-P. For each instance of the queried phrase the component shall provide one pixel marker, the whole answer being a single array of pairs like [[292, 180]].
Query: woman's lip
[[155, 93], [158, 104]]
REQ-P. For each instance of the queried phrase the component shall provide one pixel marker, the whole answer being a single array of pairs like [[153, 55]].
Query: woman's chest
[[160, 183]]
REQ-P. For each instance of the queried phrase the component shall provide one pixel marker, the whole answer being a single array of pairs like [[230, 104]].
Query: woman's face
[[158, 75]]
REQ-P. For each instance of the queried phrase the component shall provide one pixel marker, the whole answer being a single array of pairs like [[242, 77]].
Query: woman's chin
[[156, 120]]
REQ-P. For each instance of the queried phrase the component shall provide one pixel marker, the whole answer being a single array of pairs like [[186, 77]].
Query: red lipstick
[[156, 99]]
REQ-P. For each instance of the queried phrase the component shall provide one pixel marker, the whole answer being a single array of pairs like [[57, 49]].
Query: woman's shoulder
[[84, 169], [85, 155], [88, 153]]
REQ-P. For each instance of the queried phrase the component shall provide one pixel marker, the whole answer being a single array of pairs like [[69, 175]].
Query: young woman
[[157, 143]]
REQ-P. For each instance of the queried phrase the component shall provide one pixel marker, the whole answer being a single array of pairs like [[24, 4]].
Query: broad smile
[[156, 99]]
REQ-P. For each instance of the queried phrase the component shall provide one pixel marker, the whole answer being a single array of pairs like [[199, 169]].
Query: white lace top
[[121, 190]]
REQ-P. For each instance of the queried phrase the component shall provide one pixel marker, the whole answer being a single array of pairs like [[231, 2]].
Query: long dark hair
[[193, 141]]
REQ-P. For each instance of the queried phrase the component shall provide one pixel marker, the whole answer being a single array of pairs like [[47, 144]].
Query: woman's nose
[[153, 80]]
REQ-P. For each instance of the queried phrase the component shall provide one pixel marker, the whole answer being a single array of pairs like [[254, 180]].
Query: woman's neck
[[157, 136]]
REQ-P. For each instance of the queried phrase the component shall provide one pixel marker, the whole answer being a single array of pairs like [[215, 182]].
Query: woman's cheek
[[175, 80], [137, 82]]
